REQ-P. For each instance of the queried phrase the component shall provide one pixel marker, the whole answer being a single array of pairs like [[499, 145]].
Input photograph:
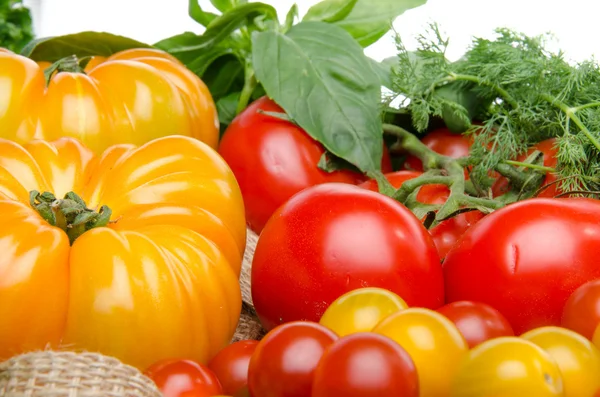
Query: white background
[[575, 23]]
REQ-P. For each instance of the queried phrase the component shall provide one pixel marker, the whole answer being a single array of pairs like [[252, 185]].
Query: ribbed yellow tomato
[[433, 342], [133, 96], [160, 280], [508, 366], [577, 358], [360, 310]]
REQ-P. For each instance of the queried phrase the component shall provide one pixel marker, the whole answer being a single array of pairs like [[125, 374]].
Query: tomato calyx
[[69, 213], [70, 64]]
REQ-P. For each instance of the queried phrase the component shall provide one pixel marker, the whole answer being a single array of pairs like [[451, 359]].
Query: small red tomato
[[365, 364], [231, 365], [273, 159], [284, 361], [582, 310], [476, 321], [184, 378], [442, 141]]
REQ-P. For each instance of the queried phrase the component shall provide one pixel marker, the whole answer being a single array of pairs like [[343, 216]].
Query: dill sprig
[[519, 92]]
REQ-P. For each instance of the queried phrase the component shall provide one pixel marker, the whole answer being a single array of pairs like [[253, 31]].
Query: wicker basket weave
[[69, 374]]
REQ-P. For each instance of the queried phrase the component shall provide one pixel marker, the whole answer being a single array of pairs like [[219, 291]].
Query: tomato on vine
[[231, 365], [442, 141]]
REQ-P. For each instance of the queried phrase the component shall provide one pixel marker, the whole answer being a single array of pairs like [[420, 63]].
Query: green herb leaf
[[187, 47], [83, 44], [329, 10], [320, 76], [198, 14], [331, 163], [384, 70], [224, 76], [223, 5], [226, 107], [370, 20], [16, 26], [290, 17]]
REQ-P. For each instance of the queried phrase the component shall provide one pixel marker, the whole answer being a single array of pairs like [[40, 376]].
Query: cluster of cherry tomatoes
[[369, 342]]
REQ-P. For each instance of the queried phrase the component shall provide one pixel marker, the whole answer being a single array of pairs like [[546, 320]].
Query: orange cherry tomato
[[507, 367], [131, 97], [360, 310], [577, 358], [433, 342]]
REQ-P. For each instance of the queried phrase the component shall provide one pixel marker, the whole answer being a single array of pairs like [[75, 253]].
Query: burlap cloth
[[69, 374]]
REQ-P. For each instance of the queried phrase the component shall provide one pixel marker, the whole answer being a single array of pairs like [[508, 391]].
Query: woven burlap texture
[[69, 374], [249, 326]]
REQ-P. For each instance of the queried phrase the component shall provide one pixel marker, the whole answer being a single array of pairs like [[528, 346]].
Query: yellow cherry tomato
[[434, 343], [577, 358], [360, 310], [133, 96], [508, 366], [157, 279]]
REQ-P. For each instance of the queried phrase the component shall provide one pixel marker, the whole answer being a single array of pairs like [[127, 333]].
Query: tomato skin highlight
[[332, 238], [582, 310], [231, 365], [284, 362], [526, 259], [477, 322], [274, 159], [365, 364], [183, 378]]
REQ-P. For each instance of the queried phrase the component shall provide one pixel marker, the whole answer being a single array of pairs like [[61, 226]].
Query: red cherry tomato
[[526, 259], [365, 364], [447, 232], [184, 378], [285, 360], [582, 310], [441, 141], [476, 321], [231, 365], [550, 152], [273, 159], [333, 238]]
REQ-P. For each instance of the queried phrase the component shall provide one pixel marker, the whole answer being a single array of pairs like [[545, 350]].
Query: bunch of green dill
[[519, 92]]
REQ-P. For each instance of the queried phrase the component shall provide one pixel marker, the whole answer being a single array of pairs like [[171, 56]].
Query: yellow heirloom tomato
[[133, 96], [141, 263], [577, 358], [433, 342], [508, 366], [360, 310]]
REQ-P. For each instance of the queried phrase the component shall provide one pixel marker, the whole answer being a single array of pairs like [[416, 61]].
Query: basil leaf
[[223, 5], [320, 76], [226, 107], [189, 46], [16, 25], [224, 76], [83, 44], [370, 20], [198, 14], [384, 70], [290, 17], [329, 10]]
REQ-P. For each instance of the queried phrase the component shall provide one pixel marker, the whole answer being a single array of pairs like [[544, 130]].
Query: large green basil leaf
[[370, 20], [83, 44], [320, 76], [329, 10]]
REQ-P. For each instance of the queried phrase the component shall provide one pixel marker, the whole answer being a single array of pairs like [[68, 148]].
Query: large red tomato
[[550, 151], [284, 362], [333, 238], [526, 259], [274, 159], [365, 364], [447, 232], [442, 141]]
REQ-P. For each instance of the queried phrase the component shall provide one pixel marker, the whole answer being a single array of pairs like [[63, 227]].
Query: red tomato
[[333, 238], [447, 232], [476, 321], [273, 159], [184, 378], [527, 258], [550, 160], [365, 364], [582, 310], [284, 361], [441, 141], [231, 365]]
